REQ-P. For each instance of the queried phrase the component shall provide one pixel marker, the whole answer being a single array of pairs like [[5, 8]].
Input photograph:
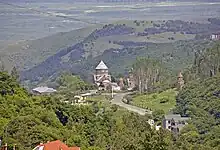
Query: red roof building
[[74, 148], [55, 145]]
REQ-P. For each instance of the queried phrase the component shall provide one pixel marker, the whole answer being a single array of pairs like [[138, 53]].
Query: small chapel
[[101, 76]]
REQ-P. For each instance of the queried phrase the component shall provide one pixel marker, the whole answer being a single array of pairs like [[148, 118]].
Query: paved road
[[118, 101]]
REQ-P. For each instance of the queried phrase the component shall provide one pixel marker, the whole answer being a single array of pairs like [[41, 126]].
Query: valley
[[53, 33], [109, 75], [120, 42]]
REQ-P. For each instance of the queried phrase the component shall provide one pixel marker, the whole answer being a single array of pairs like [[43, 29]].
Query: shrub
[[158, 115], [164, 100], [154, 96]]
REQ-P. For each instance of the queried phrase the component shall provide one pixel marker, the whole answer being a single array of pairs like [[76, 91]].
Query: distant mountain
[[111, 1]]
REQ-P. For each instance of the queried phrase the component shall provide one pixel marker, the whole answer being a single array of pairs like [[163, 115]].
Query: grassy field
[[101, 100], [164, 101], [97, 98], [138, 25]]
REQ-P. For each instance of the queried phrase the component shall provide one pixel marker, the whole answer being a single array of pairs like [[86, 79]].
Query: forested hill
[[117, 43], [200, 98], [27, 120]]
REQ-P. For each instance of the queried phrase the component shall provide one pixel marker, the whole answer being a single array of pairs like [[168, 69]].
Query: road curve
[[117, 100]]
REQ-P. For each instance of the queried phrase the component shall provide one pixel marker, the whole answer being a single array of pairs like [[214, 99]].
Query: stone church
[[101, 76]]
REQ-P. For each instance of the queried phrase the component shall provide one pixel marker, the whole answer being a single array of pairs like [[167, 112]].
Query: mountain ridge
[[78, 51]]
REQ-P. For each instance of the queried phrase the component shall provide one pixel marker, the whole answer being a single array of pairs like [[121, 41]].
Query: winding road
[[117, 100]]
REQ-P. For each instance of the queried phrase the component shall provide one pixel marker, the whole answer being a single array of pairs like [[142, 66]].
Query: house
[[174, 122], [115, 87], [43, 90], [152, 124], [78, 99], [215, 36], [102, 77], [81, 99], [157, 128], [55, 145]]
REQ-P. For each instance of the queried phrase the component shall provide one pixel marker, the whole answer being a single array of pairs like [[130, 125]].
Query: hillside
[[27, 54], [174, 56], [200, 101], [79, 51], [109, 1], [28, 120], [165, 100]]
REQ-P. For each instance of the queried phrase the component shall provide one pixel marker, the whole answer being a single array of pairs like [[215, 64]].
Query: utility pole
[[112, 92]]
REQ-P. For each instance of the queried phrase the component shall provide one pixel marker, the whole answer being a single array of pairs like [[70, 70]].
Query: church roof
[[101, 65], [180, 75]]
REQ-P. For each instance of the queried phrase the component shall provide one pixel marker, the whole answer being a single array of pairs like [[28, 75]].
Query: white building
[[115, 87], [43, 90], [215, 36], [152, 124]]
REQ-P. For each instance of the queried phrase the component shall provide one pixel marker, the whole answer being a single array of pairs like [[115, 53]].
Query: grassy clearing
[[163, 37], [97, 98], [139, 25], [164, 101], [101, 100]]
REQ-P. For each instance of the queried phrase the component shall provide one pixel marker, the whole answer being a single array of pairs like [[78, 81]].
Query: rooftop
[[55, 145], [101, 65], [175, 117], [44, 89], [86, 94], [218, 33]]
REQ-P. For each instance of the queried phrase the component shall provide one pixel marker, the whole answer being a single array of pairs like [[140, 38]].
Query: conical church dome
[[101, 66]]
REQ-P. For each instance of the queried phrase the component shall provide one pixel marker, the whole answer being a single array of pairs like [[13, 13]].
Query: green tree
[[147, 72], [2, 65], [71, 82], [158, 115], [14, 73]]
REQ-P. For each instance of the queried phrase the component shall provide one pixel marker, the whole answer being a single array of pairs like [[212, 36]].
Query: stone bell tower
[[180, 81], [101, 74]]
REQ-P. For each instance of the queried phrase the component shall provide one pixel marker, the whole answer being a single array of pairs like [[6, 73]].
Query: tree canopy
[[27, 120]]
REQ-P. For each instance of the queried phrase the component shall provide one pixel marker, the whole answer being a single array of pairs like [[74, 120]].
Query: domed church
[[101, 76]]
